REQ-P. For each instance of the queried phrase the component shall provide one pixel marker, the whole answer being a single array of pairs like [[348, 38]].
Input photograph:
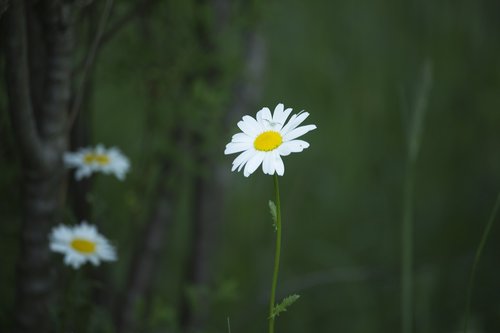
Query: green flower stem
[[276, 255], [407, 253], [479, 251]]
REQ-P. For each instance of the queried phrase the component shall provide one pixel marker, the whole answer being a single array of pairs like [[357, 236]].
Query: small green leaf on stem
[[285, 303], [274, 214]]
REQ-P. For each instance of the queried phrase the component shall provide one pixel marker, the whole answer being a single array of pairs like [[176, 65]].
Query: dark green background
[[355, 66]]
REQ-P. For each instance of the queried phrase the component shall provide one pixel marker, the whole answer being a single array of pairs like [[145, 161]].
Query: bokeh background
[[168, 86]]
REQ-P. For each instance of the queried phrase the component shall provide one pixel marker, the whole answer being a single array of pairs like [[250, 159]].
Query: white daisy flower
[[80, 244], [266, 138], [99, 159]]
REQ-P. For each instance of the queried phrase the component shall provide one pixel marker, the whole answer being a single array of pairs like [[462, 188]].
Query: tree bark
[[3, 6], [207, 205], [42, 138], [18, 87], [203, 238], [147, 251]]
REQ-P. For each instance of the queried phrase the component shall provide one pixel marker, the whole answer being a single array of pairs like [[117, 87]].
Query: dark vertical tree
[[48, 98], [208, 181], [3, 6], [39, 96]]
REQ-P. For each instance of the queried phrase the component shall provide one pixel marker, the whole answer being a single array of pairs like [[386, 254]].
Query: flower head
[[81, 243], [266, 138], [99, 159]]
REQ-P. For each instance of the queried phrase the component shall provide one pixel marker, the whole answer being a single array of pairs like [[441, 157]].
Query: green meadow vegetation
[[381, 216]]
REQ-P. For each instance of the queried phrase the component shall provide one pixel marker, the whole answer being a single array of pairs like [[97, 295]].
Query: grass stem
[[277, 254], [479, 251], [407, 253], [413, 146]]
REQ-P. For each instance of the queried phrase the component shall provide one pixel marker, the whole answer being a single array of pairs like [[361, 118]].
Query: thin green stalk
[[407, 253], [479, 251], [414, 140], [277, 253]]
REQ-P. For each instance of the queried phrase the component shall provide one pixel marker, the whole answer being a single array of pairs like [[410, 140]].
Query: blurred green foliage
[[355, 66]]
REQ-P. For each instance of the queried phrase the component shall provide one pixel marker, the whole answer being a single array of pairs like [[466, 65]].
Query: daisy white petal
[[294, 146], [253, 164], [263, 115], [58, 247], [271, 166], [94, 260], [299, 131], [294, 121], [250, 121], [241, 137], [278, 112], [62, 232], [83, 172], [242, 159], [280, 116], [248, 158], [266, 138], [284, 149], [108, 253], [236, 147], [98, 159], [80, 244], [278, 164], [247, 128]]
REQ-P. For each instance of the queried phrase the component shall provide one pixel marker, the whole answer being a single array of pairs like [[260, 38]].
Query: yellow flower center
[[268, 141], [100, 159], [83, 245]]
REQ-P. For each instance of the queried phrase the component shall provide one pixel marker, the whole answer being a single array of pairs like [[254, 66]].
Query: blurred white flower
[[266, 138], [99, 159], [80, 244]]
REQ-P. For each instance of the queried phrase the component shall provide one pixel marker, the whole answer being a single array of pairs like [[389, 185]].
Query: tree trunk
[[207, 205], [145, 260], [39, 122], [40, 205], [3, 6], [205, 226]]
